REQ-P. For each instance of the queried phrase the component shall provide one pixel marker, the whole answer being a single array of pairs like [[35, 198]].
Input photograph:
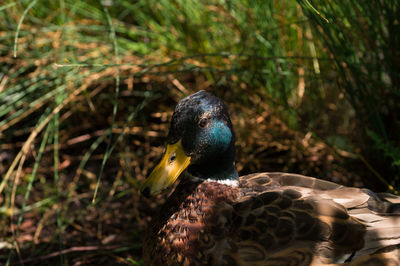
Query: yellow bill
[[168, 170]]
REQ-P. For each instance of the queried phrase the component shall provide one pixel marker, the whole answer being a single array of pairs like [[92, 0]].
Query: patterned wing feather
[[294, 219]]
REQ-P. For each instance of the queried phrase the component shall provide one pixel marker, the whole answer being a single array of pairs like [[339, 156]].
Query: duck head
[[201, 141]]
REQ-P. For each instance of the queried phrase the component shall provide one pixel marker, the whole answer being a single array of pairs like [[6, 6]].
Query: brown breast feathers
[[190, 224]]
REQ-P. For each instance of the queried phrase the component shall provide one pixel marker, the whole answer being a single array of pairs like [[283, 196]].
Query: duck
[[215, 217]]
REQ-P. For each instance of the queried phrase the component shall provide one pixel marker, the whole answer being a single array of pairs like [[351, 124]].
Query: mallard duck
[[215, 217]]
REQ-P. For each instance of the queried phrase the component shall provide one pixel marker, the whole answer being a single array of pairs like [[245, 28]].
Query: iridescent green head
[[201, 140]]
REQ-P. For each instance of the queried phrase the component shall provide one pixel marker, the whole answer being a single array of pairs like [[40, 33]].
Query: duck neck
[[219, 168], [208, 172]]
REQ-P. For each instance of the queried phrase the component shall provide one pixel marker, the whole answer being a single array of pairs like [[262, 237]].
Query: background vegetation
[[87, 89]]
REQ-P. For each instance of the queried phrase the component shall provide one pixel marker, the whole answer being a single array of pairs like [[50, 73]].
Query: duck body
[[273, 219], [216, 218]]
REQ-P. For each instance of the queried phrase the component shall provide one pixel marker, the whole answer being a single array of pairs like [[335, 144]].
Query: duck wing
[[283, 218]]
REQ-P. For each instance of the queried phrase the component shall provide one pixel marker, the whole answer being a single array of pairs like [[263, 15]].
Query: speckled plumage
[[264, 218], [273, 219]]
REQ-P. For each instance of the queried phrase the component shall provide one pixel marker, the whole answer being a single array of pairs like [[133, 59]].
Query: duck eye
[[172, 157], [203, 122]]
